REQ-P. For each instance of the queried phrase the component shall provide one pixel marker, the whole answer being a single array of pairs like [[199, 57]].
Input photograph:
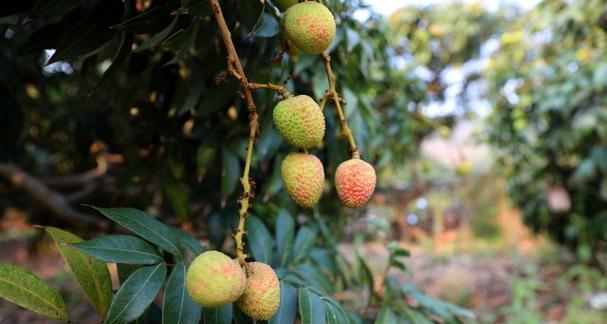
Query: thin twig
[[333, 95], [235, 69], [271, 86]]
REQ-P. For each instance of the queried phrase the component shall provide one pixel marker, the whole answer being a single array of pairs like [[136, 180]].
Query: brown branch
[[333, 95], [271, 86], [51, 200], [235, 69]]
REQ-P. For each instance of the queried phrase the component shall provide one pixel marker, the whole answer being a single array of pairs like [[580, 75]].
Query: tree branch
[[332, 95], [235, 69], [51, 200]]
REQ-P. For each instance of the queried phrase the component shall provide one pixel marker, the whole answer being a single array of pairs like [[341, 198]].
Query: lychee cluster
[[214, 279], [309, 27]]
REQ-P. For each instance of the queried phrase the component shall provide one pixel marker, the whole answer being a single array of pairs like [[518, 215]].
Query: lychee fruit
[[261, 296], [304, 177], [309, 26], [300, 121], [355, 182], [214, 279], [285, 4]]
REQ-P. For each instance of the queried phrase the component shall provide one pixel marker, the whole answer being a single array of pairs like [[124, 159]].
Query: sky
[[386, 7]]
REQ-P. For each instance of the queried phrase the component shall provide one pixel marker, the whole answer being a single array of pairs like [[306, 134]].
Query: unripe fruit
[[309, 26], [285, 4], [261, 297], [214, 279], [304, 177], [355, 182], [300, 121]]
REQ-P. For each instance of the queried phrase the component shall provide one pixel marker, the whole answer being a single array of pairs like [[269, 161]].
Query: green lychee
[[285, 4], [304, 177], [261, 297], [214, 279], [355, 182], [309, 26], [300, 121]]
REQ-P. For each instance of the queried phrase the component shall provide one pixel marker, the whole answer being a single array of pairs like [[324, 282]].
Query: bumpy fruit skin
[[214, 279], [261, 297], [300, 121], [304, 177], [309, 26], [285, 4], [355, 182]]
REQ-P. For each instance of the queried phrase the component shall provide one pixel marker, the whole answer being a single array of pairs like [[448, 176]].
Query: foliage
[[309, 271], [548, 120]]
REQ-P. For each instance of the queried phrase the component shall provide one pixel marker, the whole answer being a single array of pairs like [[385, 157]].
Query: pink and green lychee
[[309, 26], [261, 296], [214, 279], [300, 121], [355, 182], [304, 177]]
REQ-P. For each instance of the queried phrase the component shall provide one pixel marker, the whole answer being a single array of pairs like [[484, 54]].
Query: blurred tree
[[547, 82]]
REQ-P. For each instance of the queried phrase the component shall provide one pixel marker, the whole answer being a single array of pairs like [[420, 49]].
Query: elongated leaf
[[288, 305], [120, 249], [218, 315], [145, 226], [311, 308], [304, 241], [314, 277], [334, 316], [259, 240], [285, 232], [91, 33], [21, 287], [230, 172], [386, 315], [125, 271], [188, 242], [151, 21], [122, 52], [92, 275], [266, 26], [178, 307], [136, 294]]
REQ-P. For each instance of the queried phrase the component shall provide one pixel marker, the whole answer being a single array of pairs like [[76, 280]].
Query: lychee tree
[[205, 61]]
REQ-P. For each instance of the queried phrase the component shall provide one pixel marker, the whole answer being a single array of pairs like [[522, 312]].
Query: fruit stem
[[332, 95], [235, 69], [271, 86]]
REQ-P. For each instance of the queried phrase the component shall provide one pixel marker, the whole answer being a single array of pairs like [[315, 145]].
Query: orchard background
[[486, 125]]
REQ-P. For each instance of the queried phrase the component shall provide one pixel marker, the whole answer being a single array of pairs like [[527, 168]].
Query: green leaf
[[230, 172], [311, 307], [145, 226], [288, 305], [386, 315], [334, 314], [178, 194], [285, 232], [266, 26], [120, 249], [150, 21], [136, 294], [47, 8], [158, 37], [178, 307], [259, 240], [304, 242], [199, 8], [122, 52], [125, 271], [21, 287], [91, 34], [188, 242], [314, 277], [92, 275], [218, 315]]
